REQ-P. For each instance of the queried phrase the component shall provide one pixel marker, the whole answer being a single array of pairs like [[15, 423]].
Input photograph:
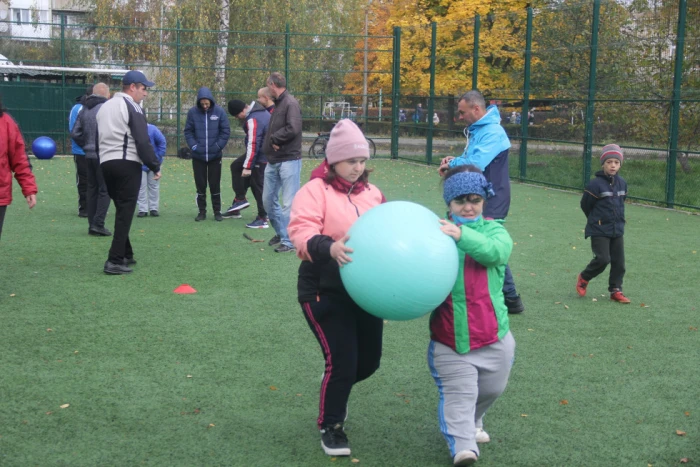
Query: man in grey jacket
[[84, 133], [282, 147], [124, 146]]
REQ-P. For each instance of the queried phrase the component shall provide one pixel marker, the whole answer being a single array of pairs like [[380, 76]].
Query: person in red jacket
[[13, 158], [322, 212]]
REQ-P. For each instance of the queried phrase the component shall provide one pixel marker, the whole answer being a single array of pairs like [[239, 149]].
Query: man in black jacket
[[85, 134], [282, 147]]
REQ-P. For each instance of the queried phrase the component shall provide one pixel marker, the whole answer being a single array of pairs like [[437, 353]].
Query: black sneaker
[[274, 240], [129, 261], [515, 305], [284, 249], [334, 441], [99, 231], [82, 214], [201, 216], [218, 217], [155, 213], [116, 269], [141, 214]]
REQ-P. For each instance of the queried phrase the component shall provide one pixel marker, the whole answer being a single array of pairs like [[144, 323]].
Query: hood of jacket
[[205, 93], [94, 100], [490, 117]]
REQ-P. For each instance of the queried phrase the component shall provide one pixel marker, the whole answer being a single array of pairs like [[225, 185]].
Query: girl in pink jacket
[[322, 212]]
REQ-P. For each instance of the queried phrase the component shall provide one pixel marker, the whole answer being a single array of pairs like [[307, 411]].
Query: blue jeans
[[282, 181]]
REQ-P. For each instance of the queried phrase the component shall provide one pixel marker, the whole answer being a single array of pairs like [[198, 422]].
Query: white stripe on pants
[[149, 193], [468, 384]]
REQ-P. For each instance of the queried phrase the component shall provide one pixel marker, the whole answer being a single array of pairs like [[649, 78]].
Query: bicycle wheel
[[318, 147], [372, 147]]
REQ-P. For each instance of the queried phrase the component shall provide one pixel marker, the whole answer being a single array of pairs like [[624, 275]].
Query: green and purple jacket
[[474, 315]]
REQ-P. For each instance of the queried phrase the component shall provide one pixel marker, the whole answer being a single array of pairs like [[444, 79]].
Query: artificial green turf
[[230, 375]]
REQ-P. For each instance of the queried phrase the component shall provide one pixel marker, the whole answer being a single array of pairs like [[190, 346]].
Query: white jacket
[[123, 133]]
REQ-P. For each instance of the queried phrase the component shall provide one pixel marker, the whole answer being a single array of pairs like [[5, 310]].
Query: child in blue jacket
[[603, 203], [149, 193]]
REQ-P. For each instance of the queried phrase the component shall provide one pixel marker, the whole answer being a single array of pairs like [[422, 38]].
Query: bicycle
[[318, 147]]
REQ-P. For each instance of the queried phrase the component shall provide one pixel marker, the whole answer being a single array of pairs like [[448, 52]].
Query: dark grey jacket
[[284, 130], [84, 131]]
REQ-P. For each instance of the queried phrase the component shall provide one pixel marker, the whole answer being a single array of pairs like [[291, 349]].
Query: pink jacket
[[320, 209]]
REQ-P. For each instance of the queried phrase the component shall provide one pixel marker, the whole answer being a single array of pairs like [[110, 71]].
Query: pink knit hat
[[611, 151], [346, 142]]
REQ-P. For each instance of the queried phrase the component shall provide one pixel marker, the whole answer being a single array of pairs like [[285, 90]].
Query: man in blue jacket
[[207, 131], [487, 148], [79, 155]]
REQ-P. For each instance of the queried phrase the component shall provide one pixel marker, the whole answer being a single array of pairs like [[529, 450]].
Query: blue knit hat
[[466, 183]]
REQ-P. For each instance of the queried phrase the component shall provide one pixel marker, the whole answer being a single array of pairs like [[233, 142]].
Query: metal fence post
[[63, 78], [395, 91], [675, 106], [475, 55], [590, 104], [286, 53], [524, 112], [177, 83], [431, 100]]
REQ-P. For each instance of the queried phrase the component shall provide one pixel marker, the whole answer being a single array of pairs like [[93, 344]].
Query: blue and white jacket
[[487, 148], [207, 132], [75, 147]]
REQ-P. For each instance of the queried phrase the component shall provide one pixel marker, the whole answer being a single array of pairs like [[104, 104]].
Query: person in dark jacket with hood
[[207, 131], [79, 154], [603, 203], [248, 170], [84, 133]]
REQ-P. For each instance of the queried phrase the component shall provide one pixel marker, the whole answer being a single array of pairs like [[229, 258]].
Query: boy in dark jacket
[[603, 202], [248, 170], [207, 131]]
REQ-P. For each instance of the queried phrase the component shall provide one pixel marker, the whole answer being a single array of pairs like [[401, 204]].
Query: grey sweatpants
[[149, 193], [468, 384]]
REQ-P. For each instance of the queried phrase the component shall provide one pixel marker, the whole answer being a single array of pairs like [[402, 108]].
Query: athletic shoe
[[155, 213], [334, 441], [481, 436], [129, 261], [116, 269], [82, 214], [581, 286], [99, 232], [231, 215], [218, 217], [142, 214], [258, 223], [515, 305], [201, 216], [239, 205], [274, 240], [465, 457], [284, 249], [617, 296]]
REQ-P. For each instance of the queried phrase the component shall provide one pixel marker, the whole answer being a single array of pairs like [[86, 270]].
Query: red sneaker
[[618, 296], [581, 286]]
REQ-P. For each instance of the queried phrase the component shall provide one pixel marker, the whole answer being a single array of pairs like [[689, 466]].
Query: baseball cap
[[135, 76]]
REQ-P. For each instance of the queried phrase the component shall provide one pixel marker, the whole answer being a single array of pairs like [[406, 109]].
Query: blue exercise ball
[[402, 266], [44, 147]]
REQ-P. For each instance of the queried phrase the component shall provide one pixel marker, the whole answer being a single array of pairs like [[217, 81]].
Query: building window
[[20, 15]]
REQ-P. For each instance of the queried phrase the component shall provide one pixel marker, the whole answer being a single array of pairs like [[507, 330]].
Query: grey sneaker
[[274, 240], [116, 269], [284, 249], [201, 216]]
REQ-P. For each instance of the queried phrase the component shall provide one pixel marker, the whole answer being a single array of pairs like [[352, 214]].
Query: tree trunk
[[222, 46]]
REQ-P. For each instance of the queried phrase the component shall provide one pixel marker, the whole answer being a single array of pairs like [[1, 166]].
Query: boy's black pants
[[606, 251], [207, 172], [351, 341], [255, 182]]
